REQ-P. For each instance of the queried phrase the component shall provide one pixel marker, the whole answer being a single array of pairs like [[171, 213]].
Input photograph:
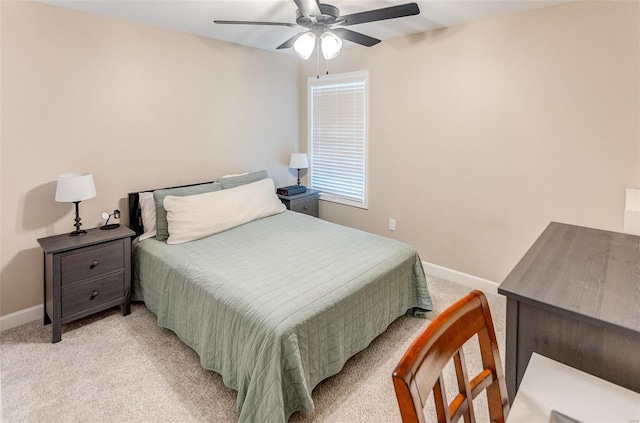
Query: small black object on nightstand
[[291, 190], [108, 226]]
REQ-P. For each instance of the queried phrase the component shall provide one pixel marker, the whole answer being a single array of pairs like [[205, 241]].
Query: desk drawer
[[92, 262], [84, 296]]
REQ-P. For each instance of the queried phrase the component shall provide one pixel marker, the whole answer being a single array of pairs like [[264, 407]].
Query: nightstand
[[85, 274], [306, 203]]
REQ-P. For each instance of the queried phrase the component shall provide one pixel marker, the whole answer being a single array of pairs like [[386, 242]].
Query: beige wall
[[137, 106], [482, 134]]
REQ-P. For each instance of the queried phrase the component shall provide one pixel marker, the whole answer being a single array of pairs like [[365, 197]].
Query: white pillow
[[148, 212], [198, 216]]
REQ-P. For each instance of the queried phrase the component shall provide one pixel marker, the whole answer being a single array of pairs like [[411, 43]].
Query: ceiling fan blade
[[355, 37], [408, 9], [291, 25], [308, 8], [290, 41]]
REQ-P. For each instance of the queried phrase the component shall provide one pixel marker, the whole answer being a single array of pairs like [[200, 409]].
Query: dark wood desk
[[575, 298]]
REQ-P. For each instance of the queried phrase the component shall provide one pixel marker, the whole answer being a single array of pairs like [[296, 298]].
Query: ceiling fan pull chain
[[327, 66], [317, 62]]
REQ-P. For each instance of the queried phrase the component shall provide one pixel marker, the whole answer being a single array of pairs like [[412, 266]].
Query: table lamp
[[298, 161], [74, 188]]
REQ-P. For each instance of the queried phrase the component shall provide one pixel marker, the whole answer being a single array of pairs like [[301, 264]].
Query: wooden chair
[[420, 370]]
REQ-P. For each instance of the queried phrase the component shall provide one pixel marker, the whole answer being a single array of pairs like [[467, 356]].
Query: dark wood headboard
[[135, 213]]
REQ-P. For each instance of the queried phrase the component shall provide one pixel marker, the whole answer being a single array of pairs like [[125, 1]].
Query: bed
[[279, 303]]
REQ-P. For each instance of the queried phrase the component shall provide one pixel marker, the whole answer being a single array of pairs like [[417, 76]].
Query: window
[[338, 137]]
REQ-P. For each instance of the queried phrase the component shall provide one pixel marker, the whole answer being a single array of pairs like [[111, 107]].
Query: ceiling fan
[[326, 27]]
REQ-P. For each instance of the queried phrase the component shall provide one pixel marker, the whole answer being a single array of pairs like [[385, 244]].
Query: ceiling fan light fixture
[[304, 45], [331, 45]]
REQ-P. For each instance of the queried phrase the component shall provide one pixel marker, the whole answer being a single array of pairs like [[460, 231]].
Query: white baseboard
[[465, 279], [21, 317]]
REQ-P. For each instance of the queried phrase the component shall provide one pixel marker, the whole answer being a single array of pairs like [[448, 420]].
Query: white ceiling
[[197, 17]]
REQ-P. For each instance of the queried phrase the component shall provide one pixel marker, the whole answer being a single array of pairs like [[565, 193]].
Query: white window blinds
[[337, 133]]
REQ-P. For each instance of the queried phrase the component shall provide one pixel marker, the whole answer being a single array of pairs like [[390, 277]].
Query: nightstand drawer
[[305, 203], [84, 296], [92, 262], [308, 206]]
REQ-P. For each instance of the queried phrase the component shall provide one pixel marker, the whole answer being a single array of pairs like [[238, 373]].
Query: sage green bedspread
[[279, 304]]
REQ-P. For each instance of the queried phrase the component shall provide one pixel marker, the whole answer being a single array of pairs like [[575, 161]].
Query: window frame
[[332, 79]]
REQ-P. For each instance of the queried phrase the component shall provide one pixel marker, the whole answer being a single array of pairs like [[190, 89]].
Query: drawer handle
[[94, 264], [304, 208], [94, 294]]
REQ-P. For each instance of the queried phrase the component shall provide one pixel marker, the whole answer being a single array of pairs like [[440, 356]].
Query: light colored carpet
[[113, 368]]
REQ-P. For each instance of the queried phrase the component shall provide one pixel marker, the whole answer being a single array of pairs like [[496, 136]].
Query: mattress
[[279, 304]]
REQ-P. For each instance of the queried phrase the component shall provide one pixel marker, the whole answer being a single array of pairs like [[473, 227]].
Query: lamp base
[[110, 226], [78, 231]]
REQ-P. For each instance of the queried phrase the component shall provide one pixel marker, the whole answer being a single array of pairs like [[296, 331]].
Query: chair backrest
[[420, 370]]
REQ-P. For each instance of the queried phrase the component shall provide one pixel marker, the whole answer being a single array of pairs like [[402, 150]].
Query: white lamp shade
[[331, 45], [75, 187], [304, 45], [298, 161]]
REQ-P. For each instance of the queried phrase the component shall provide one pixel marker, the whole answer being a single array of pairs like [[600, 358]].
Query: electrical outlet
[[392, 224]]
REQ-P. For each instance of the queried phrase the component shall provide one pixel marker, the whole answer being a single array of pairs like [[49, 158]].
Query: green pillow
[[247, 178], [162, 226]]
